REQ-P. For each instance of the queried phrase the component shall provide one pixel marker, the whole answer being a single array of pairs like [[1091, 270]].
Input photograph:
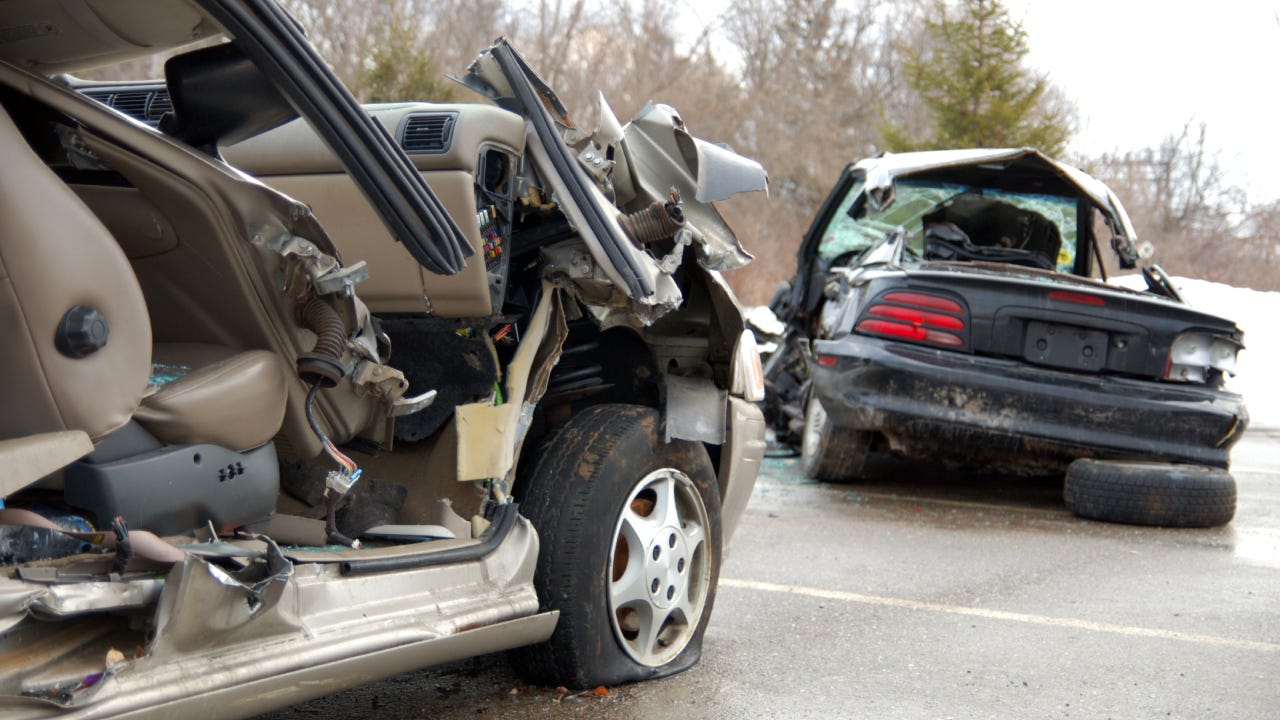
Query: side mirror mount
[[220, 98]]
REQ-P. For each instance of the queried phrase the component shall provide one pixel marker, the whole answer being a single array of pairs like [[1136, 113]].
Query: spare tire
[[1150, 493]]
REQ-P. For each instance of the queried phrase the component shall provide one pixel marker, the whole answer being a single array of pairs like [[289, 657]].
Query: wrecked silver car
[[953, 305], [294, 403]]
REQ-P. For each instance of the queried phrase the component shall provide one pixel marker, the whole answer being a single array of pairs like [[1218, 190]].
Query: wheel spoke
[[666, 511], [683, 610], [694, 536], [651, 622], [638, 528], [630, 588]]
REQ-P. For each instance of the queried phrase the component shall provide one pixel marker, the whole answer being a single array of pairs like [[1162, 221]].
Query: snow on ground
[[1258, 314]]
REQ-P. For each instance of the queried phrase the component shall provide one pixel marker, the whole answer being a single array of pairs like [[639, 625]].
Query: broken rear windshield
[[962, 222]]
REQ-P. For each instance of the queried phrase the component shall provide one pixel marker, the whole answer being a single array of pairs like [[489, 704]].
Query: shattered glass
[[913, 201]]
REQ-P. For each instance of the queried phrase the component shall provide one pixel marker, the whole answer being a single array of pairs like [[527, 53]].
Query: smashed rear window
[[953, 221]]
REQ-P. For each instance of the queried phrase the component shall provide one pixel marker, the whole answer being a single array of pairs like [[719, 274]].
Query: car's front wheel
[[629, 527]]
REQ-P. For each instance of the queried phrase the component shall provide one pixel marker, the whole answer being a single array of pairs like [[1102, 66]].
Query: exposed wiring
[[349, 467], [338, 482]]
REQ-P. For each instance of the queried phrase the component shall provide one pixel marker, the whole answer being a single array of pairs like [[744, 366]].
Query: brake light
[[933, 302], [1078, 298], [917, 317]]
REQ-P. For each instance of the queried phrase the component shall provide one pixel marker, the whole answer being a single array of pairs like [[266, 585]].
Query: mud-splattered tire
[[1160, 494], [629, 530], [828, 452]]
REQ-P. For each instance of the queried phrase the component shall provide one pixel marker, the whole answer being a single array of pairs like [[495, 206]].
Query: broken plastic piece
[[408, 533]]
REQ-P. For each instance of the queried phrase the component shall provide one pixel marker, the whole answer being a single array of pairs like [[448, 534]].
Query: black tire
[[830, 453], [1148, 493], [585, 492]]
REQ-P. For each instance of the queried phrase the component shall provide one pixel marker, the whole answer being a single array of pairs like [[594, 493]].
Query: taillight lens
[[917, 317]]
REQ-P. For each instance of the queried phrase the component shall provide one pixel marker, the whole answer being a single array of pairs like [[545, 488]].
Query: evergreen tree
[[402, 68], [978, 92]]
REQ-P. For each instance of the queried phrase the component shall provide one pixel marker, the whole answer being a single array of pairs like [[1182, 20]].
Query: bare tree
[[1178, 198]]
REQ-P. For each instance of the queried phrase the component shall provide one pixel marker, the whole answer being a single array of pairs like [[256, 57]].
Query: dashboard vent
[[102, 96], [160, 104], [133, 104], [428, 133], [146, 105]]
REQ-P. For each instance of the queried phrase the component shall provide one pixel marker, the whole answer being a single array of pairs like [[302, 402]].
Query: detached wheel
[[629, 530], [831, 453], [1159, 494]]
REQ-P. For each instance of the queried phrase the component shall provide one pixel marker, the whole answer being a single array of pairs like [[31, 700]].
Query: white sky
[[1138, 71]]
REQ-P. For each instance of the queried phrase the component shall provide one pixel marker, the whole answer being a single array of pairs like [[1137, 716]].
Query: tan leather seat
[[213, 394], [54, 256]]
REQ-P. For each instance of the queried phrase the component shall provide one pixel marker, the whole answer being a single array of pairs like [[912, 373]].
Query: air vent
[[133, 104], [160, 104], [428, 133], [102, 96], [146, 104]]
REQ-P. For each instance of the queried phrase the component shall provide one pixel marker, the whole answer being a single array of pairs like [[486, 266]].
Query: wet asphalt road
[[929, 594]]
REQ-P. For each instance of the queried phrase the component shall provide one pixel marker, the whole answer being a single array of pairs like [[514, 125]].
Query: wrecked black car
[[953, 306], [299, 394]]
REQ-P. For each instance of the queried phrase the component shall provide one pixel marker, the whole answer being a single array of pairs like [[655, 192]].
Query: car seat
[[182, 432]]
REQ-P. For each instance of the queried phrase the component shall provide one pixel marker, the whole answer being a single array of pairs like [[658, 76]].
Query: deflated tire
[[629, 531], [1146, 493]]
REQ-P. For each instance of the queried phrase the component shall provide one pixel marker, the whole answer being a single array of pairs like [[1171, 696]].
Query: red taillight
[[933, 302], [918, 317], [828, 360], [1078, 298]]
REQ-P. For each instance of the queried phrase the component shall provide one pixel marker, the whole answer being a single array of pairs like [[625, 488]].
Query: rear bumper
[[943, 403]]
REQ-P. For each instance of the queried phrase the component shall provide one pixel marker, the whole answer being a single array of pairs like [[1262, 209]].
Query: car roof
[[50, 37], [882, 171]]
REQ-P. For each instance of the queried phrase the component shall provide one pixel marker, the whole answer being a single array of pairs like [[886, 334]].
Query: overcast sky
[[1138, 71]]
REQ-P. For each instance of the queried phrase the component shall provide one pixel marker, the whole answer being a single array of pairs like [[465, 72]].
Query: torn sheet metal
[[661, 154], [58, 601], [595, 178], [204, 605]]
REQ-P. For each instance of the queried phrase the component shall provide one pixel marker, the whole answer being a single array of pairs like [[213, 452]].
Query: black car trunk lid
[[1058, 320]]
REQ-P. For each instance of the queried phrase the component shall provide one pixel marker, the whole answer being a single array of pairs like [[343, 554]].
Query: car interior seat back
[[179, 444], [77, 355]]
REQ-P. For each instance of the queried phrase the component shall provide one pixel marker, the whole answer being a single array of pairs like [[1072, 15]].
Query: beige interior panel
[[140, 228], [396, 281], [295, 149]]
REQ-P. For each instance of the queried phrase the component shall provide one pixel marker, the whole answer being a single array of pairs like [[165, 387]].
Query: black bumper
[[930, 402]]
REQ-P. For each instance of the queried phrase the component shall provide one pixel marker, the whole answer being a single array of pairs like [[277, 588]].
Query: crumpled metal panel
[[882, 171], [653, 154], [661, 154], [204, 605]]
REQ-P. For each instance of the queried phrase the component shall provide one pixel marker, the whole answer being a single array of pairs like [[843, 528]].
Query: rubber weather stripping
[[504, 519]]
